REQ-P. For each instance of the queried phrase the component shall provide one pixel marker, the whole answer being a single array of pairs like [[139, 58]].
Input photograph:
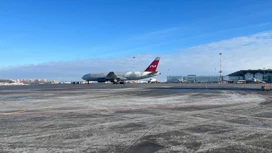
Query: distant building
[[193, 79], [6, 81], [260, 74]]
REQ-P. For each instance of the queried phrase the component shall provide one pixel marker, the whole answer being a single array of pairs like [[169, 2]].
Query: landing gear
[[118, 82]]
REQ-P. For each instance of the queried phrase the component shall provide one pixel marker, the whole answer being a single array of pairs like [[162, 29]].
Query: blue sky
[[36, 33]]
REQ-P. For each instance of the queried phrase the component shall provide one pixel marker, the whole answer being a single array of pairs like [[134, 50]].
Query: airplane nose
[[84, 77]]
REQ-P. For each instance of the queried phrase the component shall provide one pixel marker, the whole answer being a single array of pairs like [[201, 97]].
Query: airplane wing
[[114, 78], [111, 76]]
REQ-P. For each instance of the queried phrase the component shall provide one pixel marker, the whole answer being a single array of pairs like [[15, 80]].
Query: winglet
[[153, 66]]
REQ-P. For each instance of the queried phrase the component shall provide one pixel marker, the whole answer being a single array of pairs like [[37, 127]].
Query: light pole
[[133, 63], [264, 73], [168, 77], [220, 79]]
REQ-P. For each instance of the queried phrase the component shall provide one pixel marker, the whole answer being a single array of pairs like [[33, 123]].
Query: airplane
[[121, 77], [153, 80], [254, 80]]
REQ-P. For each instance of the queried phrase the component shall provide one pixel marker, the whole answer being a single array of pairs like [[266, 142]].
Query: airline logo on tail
[[153, 66]]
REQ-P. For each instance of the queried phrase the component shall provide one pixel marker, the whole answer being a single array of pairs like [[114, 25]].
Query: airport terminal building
[[265, 75], [193, 79]]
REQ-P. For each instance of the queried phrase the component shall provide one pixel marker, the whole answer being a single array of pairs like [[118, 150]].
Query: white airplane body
[[120, 77]]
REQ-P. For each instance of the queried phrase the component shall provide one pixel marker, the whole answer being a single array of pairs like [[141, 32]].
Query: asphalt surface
[[136, 118]]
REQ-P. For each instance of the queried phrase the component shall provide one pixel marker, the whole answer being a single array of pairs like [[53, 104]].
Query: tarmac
[[136, 118]]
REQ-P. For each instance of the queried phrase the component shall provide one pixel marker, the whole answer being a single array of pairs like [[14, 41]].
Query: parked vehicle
[[241, 82]]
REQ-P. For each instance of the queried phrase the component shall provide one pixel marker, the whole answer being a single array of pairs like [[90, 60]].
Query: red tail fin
[[153, 66]]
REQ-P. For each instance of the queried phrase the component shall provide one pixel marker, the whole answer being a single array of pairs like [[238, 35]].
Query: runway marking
[[23, 111], [46, 107], [14, 113]]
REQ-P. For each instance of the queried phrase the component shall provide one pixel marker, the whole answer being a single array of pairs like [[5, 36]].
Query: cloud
[[140, 43], [156, 34], [174, 37], [246, 52]]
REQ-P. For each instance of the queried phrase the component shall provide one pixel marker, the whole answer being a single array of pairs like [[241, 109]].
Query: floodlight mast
[[264, 73], [133, 63], [220, 79]]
